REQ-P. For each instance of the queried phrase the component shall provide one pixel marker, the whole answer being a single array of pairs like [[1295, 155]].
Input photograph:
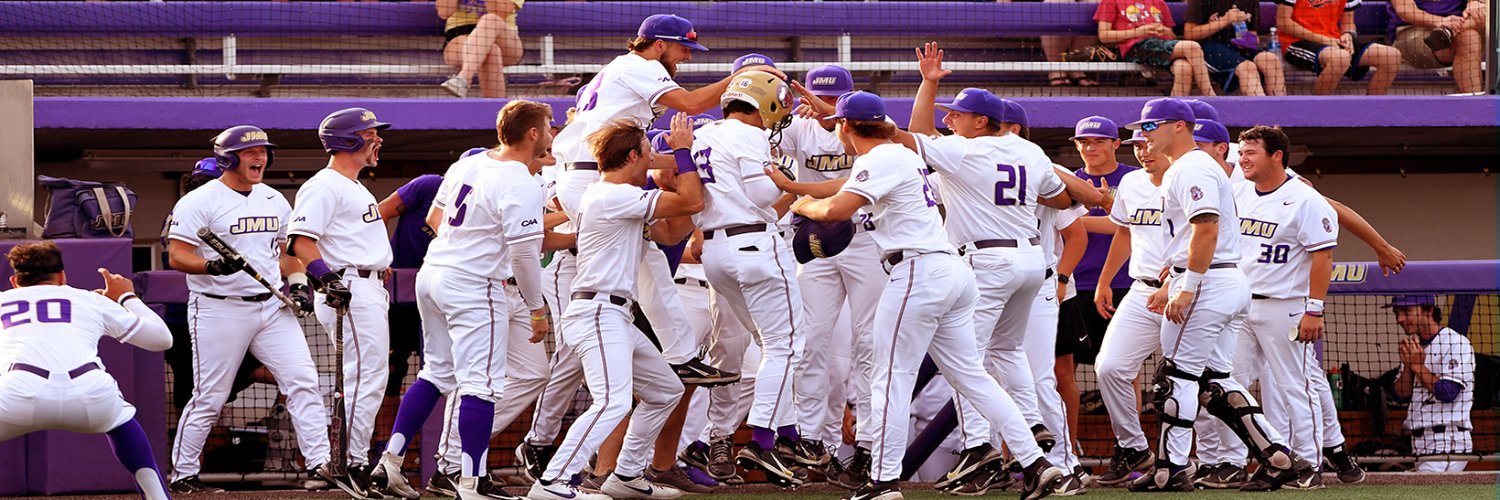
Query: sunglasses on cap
[[691, 36]]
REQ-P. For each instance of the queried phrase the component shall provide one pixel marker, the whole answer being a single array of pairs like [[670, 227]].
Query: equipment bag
[[86, 209]]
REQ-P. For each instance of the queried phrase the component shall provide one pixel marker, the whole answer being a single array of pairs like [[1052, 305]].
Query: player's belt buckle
[[1437, 429], [583, 165], [693, 281], [248, 298], [364, 273], [1151, 283], [735, 230], [1221, 265], [42, 372], [613, 299]]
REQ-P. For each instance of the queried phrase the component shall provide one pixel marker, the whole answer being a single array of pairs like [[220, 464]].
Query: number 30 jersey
[[1277, 231], [488, 206], [990, 185]]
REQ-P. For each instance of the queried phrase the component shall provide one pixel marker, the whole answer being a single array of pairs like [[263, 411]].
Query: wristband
[[685, 163], [538, 318], [127, 296], [1063, 278], [295, 279], [1191, 280], [1314, 307], [319, 269]]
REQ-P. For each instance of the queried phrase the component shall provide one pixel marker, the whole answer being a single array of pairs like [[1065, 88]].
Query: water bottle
[[1336, 383], [1275, 45], [1240, 28]]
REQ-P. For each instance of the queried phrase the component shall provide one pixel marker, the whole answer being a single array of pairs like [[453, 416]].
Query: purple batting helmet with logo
[[340, 130], [240, 137], [816, 239]]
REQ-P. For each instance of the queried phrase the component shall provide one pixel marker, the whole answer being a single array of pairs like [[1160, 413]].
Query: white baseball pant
[[663, 307], [89, 404], [1041, 353], [1214, 439], [731, 345], [1289, 368], [835, 290], [564, 372], [1132, 335], [754, 276], [617, 361], [927, 308], [1442, 442], [222, 331], [367, 350], [1008, 280]]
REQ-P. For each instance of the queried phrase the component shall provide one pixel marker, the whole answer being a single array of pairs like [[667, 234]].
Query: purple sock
[[789, 432], [134, 450], [416, 406], [764, 437], [475, 417]]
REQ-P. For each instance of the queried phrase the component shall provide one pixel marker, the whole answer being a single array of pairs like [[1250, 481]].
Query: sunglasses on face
[[1152, 126]]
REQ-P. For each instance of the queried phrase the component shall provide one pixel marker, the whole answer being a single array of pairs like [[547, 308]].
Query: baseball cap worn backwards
[[670, 28]]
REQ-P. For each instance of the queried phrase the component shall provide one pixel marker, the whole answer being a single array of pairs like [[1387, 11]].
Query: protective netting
[[341, 49]]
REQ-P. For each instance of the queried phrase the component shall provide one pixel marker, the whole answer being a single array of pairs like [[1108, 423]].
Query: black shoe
[[694, 372], [752, 456], [802, 451], [877, 490], [1044, 438], [359, 477], [533, 459], [327, 473], [854, 473], [969, 462], [1311, 479], [1349, 471], [191, 484], [1221, 477], [1204, 470], [1123, 463], [1040, 479], [991, 477], [1074, 484], [443, 484], [718, 459], [489, 489], [1270, 479], [1162, 479]]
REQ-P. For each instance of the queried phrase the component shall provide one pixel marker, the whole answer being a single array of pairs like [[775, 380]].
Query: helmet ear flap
[[226, 159]]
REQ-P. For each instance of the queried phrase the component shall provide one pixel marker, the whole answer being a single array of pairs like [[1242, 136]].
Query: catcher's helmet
[[340, 130], [768, 93], [241, 137]]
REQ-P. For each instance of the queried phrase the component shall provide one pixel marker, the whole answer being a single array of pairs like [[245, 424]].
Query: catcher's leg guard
[[1168, 385], [1239, 411]]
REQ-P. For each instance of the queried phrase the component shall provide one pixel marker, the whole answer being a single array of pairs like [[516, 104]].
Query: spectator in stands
[[1437, 376], [481, 39], [1437, 33], [1056, 46], [1143, 30], [1321, 37], [1227, 31]]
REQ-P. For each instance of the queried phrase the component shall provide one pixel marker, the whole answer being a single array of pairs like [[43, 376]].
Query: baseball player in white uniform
[[631, 87], [1207, 290], [617, 360], [1134, 332], [337, 232], [476, 292], [1437, 377], [928, 305], [715, 415], [49, 344], [992, 180], [230, 314]]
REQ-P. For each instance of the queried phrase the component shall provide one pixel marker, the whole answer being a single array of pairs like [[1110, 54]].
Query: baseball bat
[[338, 435], [223, 248]]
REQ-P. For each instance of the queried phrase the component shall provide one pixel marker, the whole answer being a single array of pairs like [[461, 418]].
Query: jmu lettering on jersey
[[1257, 228], [372, 214], [246, 225], [1146, 217], [829, 163]]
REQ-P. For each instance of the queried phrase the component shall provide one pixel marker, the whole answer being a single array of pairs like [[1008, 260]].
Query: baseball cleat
[[1311, 479], [991, 477], [560, 490], [1040, 479], [695, 372], [802, 451], [1220, 476], [443, 483], [1044, 438], [1123, 463], [877, 490], [387, 478], [753, 457], [1073, 484], [533, 459], [1268, 479], [1349, 471], [1163, 479], [855, 472], [637, 487], [359, 477], [191, 484], [488, 489], [326, 472], [677, 477], [969, 462]]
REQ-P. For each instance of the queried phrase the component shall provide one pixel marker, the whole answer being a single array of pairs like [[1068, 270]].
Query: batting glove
[[302, 294], [337, 293], [224, 266]]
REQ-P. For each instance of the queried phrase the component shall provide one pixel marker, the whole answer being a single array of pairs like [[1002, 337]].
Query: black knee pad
[[1235, 410]]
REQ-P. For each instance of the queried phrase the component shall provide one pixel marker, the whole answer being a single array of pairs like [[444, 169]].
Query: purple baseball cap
[[670, 28], [1164, 109], [701, 119], [1095, 126], [1135, 137], [658, 139], [829, 80], [472, 152], [207, 166], [860, 105], [1014, 113], [751, 59], [1202, 110], [1411, 300], [977, 101], [1210, 131]]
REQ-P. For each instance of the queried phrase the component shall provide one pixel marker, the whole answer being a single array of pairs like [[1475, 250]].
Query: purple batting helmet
[[240, 137], [816, 239], [340, 130]]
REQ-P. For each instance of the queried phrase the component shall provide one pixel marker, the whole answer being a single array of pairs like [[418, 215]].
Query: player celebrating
[[337, 233], [49, 339], [251, 217], [468, 277], [616, 359], [1207, 291], [927, 306]]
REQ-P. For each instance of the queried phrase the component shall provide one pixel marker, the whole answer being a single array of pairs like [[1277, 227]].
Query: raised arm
[[923, 114], [1390, 258], [707, 97]]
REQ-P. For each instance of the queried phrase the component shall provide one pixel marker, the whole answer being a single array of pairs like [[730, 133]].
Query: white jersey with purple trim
[[892, 179], [732, 157], [1279, 229], [611, 214], [627, 88], [483, 198], [343, 216], [1052, 222], [1450, 357], [1138, 208], [1196, 185], [990, 184], [819, 153], [253, 223], [57, 328]]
